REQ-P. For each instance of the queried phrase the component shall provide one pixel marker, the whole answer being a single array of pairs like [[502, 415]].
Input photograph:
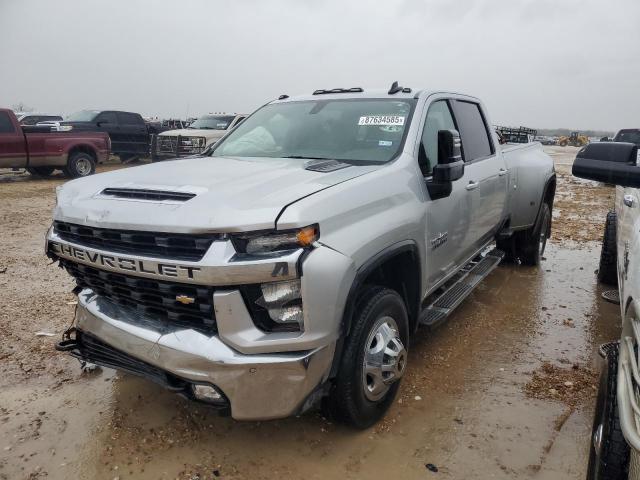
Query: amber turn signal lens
[[307, 235]]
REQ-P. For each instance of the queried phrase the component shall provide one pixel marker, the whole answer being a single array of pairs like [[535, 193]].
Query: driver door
[[447, 220]]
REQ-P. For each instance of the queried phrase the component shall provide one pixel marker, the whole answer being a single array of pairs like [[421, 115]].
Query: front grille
[[154, 299], [179, 146], [174, 246]]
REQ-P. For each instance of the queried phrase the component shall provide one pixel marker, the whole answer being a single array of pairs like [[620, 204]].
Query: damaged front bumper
[[253, 387]]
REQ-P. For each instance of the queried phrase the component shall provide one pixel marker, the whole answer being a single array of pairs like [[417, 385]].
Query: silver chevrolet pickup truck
[[291, 265]]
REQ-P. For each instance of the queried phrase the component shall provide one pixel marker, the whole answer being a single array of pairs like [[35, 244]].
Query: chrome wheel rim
[[83, 166], [385, 359]]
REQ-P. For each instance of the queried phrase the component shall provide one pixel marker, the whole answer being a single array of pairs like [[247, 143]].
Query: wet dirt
[[466, 406]]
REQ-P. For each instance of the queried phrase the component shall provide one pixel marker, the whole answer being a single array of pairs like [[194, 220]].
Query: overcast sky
[[540, 63]]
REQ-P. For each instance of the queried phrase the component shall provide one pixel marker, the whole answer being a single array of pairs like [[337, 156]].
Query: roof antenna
[[394, 88]]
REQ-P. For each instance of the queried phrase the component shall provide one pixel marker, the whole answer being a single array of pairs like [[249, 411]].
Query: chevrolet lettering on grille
[[123, 264]]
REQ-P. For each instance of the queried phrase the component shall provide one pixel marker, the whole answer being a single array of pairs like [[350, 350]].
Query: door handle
[[472, 185], [628, 200], [502, 172]]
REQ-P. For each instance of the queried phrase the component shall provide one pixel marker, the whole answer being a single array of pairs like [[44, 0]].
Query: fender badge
[[185, 300]]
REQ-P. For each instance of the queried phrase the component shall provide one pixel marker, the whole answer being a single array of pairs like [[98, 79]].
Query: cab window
[[474, 132], [439, 117]]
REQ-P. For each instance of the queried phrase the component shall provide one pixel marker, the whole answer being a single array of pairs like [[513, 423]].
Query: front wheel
[[373, 361], [609, 452], [80, 164]]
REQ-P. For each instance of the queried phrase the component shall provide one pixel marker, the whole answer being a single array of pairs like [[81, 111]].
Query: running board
[[468, 278]]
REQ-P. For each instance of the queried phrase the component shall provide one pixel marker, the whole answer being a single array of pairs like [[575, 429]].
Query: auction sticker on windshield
[[385, 120]]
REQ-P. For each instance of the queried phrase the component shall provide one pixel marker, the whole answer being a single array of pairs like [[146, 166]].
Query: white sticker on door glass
[[385, 120]]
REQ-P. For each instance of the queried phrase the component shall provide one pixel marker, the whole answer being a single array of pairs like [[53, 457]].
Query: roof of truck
[[356, 92]]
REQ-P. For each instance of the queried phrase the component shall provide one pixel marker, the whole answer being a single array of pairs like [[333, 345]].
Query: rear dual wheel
[[373, 361]]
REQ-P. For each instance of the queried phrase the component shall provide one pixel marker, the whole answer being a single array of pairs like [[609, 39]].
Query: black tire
[[611, 460], [531, 243], [80, 164], [40, 171], [348, 401], [608, 270]]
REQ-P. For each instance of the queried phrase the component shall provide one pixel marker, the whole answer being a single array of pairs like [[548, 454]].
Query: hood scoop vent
[[144, 194], [325, 166]]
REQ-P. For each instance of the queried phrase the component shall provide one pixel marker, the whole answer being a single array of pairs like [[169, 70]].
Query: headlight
[[256, 244]]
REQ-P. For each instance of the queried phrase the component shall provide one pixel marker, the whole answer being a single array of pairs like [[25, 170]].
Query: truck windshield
[[82, 116], [631, 136], [211, 122], [355, 130]]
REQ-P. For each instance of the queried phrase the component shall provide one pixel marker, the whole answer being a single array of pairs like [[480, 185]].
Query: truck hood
[[230, 194], [194, 132]]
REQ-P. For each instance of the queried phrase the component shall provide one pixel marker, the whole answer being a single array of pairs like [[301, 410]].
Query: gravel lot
[[503, 390]]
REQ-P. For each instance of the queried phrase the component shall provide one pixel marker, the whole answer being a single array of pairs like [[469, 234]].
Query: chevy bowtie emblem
[[185, 299]]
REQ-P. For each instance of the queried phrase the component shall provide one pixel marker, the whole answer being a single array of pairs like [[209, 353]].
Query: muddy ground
[[504, 390]]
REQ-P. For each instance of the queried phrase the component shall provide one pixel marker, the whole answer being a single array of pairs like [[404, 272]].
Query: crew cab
[[292, 264], [129, 134], [615, 439], [195, 138], [41, 151]]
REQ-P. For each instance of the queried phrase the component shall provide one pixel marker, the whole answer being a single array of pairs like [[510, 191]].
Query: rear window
[[125, 118], [5, 123], [473, 131]]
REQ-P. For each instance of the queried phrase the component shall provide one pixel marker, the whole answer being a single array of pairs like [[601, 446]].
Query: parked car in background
[[34, 118], [615, 439], [41, 151], [294, 264], [195, 138], [546, 140], [130, 137]]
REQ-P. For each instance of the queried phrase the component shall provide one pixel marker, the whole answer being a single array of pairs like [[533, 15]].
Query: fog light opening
[[207, 393], [283, 302]]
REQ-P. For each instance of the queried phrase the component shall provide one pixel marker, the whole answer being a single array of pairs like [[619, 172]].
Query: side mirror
[[101, 123], [609, 162], [450, 166], [605, 139]]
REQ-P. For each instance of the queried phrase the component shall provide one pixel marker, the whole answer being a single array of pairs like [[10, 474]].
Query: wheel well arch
[[549, 192], [627, 304], [397, 267], [83, 148]]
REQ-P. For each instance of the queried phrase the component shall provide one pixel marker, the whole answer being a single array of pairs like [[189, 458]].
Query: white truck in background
[[194, 139]]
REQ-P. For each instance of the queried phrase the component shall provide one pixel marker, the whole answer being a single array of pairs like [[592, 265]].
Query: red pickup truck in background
[[42, 151]]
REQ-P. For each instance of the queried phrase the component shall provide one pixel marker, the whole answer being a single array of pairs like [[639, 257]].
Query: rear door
[[486, 171], [134, 130], [13, 150]]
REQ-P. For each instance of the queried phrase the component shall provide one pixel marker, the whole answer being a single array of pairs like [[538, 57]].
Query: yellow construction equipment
[[575, 140]]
